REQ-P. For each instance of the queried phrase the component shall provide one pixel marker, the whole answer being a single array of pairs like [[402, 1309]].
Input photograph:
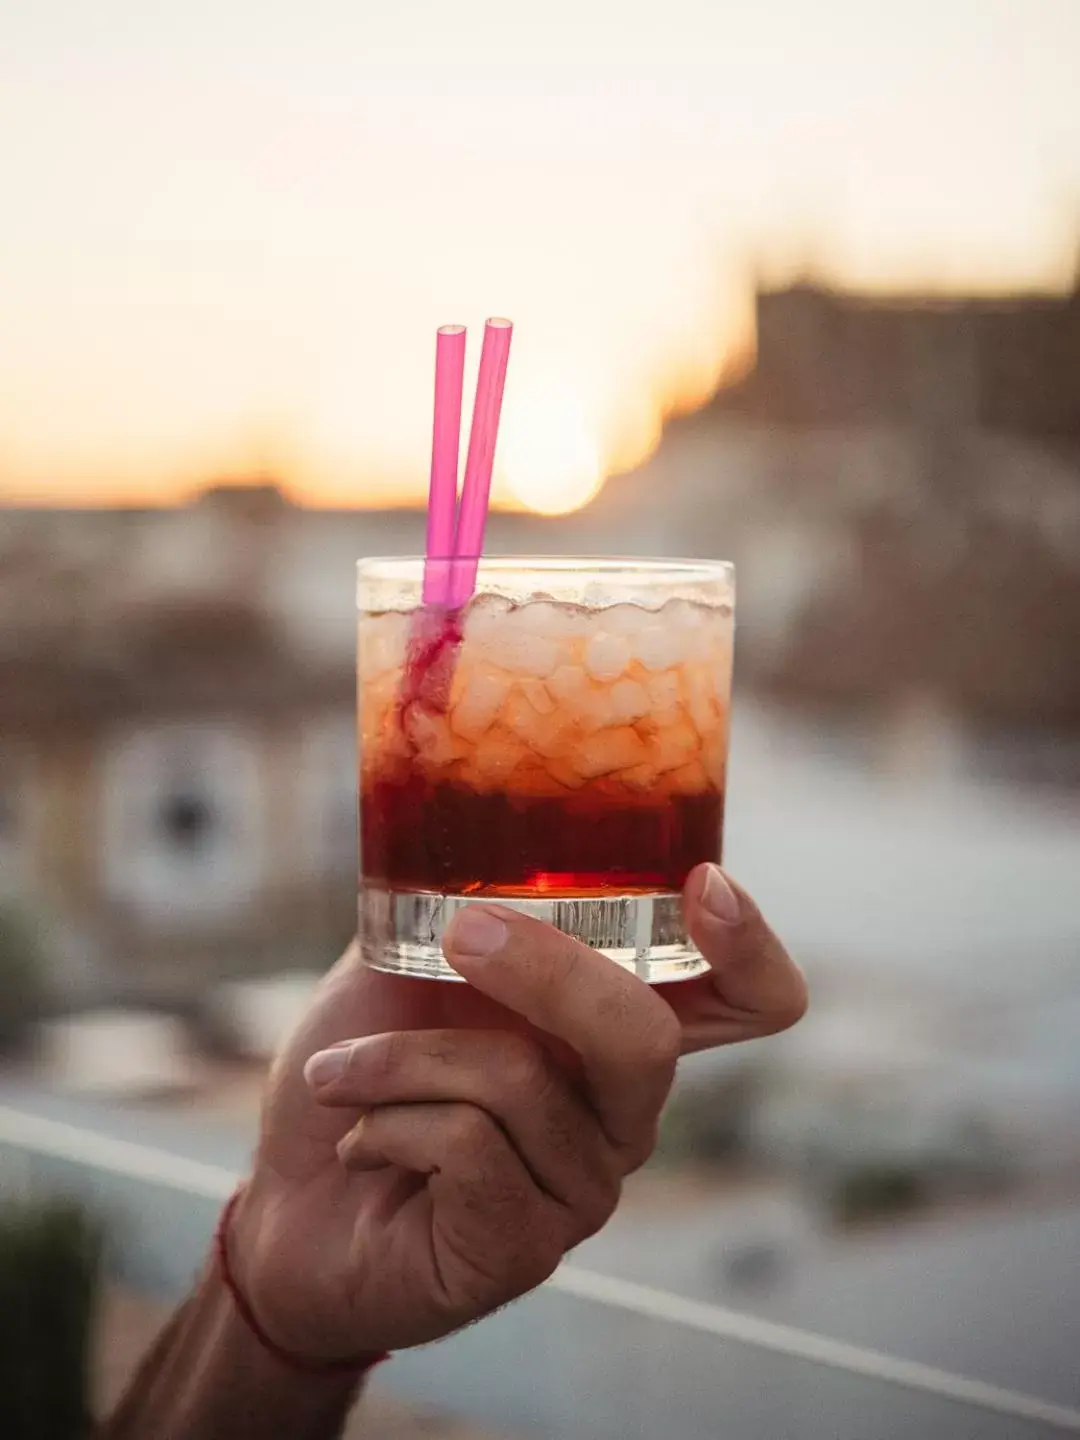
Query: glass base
[[401, 930]]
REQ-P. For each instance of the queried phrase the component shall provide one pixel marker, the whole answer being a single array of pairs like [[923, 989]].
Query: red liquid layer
[[420, 835]]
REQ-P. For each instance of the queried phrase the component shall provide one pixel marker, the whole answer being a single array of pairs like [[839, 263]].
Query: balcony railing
[[588, 1357]]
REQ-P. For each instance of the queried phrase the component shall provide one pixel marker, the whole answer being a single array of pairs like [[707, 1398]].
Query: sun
[[550, 454]]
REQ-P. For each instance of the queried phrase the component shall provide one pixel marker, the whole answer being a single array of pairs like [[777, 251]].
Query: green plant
[[50, 1257], [711, 1121], [879, 1190], [22, 976]]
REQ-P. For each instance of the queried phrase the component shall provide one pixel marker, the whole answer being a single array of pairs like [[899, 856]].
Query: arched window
[[183, 833]]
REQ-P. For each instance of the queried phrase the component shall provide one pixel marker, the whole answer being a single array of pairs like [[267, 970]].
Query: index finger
[[627, 1037]]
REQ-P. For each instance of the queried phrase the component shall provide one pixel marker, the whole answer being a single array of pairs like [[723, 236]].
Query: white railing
[[25, 1137]]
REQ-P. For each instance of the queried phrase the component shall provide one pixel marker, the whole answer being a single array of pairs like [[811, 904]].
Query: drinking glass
[[558, 744]]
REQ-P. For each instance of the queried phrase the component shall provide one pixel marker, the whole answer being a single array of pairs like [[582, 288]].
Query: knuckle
[[539, 1258], [521, 1067], [662, 1038], [470, 1131], [499, 1200], [442, 1046], [596, 1208], [386, 1058], [525, 1240], [641, 1147], [561, 1128], [548, 1260]]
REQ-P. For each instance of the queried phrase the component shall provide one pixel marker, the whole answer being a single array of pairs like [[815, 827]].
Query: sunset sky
[[229, 228]]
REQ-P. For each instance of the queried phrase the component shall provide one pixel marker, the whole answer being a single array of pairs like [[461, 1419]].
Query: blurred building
[[177, 743], [826, 358], [898, 482], [177, 731]]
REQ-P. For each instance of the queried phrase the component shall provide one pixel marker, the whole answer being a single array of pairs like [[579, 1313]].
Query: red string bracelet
[[306, 1366]]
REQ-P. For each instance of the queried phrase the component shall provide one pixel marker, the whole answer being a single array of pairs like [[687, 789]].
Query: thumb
[[755, 988]]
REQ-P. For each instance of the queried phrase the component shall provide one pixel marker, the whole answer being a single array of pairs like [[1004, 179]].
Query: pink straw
[[445, 440], [476, 490]]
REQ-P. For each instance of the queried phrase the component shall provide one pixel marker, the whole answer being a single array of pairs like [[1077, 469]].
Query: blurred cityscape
[[793, 285], [898, 482]]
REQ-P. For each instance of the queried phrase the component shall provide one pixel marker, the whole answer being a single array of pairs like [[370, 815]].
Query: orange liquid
[[509, 757]]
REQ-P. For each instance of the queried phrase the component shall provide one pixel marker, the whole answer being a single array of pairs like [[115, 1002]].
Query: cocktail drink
[[558, 744]]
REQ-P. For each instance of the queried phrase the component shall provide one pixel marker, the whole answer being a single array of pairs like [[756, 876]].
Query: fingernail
[[326, 1066], [719, 899], [476, 932]]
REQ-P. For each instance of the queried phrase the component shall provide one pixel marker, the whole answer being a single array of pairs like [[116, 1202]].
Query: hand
[[450, 1143]]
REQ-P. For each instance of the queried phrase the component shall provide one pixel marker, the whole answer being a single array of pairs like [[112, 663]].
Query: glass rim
[[396, 567]]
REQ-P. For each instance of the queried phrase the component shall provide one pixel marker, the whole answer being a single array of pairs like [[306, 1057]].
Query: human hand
[[470, 1135]]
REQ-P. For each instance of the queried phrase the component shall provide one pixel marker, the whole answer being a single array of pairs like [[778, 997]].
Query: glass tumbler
[[558, 744]]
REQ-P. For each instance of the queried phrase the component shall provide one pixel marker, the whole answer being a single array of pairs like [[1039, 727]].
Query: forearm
[[207, 1376]]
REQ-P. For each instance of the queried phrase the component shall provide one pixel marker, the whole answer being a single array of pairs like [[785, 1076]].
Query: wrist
[[208, 1375], [254, 1267]]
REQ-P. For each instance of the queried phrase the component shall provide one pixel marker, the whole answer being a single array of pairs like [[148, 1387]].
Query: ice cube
[[673, 745], [538, 695], [621, 620], [688, 627], [688, 779], [597, 707], [381, 691], [696, 646], [640, 778], [617, 748], [372, 719], [546, 734], [568, 684], [386, 740], [714, 757], [593, 709], [565, 774], [478, 701], [484, 614], [496, 756], [431, 664], [375, 698], [433, 738], [629, 701], [656, 648], [699, 687], [381, 641], [549, 618], [664, 696], [514, 646], [606, 656]]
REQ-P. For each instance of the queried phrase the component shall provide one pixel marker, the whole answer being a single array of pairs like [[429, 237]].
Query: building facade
[[177, 761], [1006, 365]]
